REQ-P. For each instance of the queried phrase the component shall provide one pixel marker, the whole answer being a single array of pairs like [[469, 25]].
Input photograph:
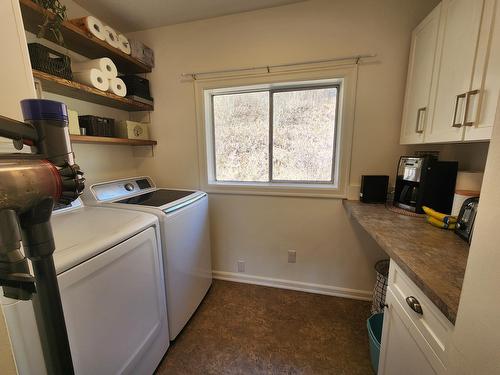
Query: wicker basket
[[97, 126], [49, 61], [137, 86]]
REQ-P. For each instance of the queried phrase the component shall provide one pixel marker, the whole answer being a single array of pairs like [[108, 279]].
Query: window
[[279, 135], [286, 132]]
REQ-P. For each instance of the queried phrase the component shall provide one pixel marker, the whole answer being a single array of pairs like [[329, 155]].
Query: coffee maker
[[425, 181]]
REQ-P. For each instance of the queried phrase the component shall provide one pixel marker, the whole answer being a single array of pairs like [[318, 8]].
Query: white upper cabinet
[[454, 68], [464, 79], [418, 83], [481, 116]]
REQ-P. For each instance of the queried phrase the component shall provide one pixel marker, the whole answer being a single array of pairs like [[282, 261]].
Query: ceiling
[[133, 15]]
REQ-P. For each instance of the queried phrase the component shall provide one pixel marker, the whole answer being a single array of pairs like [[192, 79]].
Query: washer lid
[[157, 198], [83, 233]]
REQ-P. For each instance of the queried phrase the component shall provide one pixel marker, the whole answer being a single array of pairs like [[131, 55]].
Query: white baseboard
[[364, 295]]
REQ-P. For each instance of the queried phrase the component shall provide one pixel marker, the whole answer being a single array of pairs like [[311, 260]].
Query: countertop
[[433, 258]]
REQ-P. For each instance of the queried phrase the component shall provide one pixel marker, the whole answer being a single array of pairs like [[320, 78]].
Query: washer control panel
[[120, 189]]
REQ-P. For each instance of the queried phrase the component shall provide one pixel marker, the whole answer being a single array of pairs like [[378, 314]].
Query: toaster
[[466, 218]]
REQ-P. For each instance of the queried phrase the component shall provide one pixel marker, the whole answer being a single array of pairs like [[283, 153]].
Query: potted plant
[[52, 24]]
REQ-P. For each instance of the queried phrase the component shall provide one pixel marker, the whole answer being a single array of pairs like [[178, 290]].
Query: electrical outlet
[[241, 266], [292, 256]]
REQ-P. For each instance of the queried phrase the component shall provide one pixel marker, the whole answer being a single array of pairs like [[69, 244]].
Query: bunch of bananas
[[439, 219]]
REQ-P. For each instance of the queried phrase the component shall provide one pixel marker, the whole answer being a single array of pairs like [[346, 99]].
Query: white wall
[[476, 338], [331, 250]]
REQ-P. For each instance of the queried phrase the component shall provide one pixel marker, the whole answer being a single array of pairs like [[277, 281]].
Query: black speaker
[[374, 189]]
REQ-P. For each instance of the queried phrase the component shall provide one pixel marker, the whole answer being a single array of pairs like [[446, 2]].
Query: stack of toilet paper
[[101, 74], [103, 32]]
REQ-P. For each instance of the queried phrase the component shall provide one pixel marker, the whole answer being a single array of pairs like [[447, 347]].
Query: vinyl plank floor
[[249, 329]]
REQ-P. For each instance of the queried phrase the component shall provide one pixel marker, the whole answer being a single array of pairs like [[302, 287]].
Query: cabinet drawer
[[432, 324]]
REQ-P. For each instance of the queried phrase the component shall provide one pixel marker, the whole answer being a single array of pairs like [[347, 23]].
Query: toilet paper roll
[[469, 180], [124, 44], [117, 87], [91, 25], [111, 36], [104, 64], [94, 78]]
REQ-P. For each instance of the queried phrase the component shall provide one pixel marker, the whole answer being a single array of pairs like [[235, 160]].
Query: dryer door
[[115, 310]]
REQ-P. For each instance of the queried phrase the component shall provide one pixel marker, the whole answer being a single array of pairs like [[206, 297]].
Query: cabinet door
[[403, 349], [458, 40], [418, 83], [486, 80]]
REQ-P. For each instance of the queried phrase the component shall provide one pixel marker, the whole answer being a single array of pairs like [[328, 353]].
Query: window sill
[[289, 190]]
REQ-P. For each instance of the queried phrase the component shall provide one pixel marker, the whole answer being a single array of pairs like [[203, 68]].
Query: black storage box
[[49, 61], [137, 86], [97, 126], [374, 189]]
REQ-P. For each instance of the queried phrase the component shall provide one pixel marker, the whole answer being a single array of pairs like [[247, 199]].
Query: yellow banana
[[447, 219], [440, 224]]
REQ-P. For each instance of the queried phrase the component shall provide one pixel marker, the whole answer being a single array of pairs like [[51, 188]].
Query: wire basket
[[49, 61], [380, 289]]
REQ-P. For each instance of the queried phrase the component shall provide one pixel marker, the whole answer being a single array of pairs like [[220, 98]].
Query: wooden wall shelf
[[111, 141], [80, 41], [80, 91]]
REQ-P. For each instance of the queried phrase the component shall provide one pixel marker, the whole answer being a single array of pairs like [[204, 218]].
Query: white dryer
[[110, 276], [185, 235]]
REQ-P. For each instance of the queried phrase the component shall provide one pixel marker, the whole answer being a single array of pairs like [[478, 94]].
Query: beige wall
[[17, 84], [476, 338], [331, 250]]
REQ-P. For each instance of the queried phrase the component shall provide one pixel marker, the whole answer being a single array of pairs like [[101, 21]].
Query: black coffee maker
[[425, 181]]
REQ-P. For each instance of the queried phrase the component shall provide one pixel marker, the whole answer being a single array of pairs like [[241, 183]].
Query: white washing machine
[[110, 275], [185, 236]]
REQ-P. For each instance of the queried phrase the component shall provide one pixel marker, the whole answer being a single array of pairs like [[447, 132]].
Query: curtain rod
[[269, 67]]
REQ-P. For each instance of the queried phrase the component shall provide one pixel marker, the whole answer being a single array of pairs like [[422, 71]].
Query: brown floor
[[249, 329]]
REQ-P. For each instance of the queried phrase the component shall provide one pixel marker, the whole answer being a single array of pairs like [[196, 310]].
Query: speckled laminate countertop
[[435, 259]]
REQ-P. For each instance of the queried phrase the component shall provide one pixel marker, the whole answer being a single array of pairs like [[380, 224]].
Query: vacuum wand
[[30, 185]]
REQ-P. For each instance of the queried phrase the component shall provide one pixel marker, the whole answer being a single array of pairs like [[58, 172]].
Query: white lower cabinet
[[403, 351], [413, 343]]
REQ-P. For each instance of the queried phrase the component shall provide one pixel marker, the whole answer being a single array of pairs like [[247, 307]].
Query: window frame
[[271, 91], [343, 78], [332, 181]]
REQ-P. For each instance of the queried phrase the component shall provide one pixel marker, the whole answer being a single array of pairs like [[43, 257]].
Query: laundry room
[[236, 187]]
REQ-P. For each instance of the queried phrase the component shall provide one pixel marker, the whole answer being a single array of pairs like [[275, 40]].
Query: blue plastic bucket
[[374, 324]]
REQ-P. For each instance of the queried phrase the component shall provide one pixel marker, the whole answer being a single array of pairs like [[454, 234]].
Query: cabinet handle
[[455, 123], [467, 102], [419, 129], [414, 305]]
